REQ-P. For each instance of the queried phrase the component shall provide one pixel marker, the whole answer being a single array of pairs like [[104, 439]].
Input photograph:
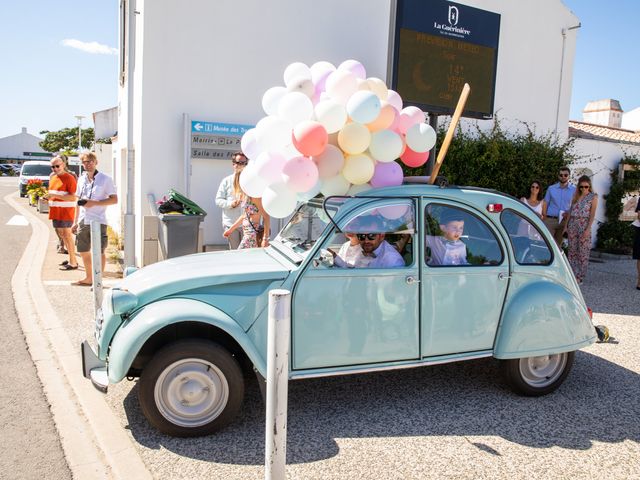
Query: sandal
[[68, 267], [62, 264], [81, 284]]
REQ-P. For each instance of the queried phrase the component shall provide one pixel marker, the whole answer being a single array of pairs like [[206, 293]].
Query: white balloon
[[309, 194], [337, 185], [296, 69], [363, 84], [329, 162], [355, 67], [319, 73], [358, 169], [421, 137], [331, 115], [249, 144], [278, 200], [271, 99], [395, 99], [269, 165], [302, 85], [385, 145], [295, 107], [378, 87], [341, 85], [272, 133], [251, 183]]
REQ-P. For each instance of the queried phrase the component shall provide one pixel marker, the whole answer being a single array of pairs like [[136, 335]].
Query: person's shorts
[[62, 224], [83, 238]]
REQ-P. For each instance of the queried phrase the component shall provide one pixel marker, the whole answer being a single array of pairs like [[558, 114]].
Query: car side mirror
[[325, 259]]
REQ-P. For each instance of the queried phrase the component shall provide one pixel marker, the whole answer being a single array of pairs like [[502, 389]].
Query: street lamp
[[79, 118]]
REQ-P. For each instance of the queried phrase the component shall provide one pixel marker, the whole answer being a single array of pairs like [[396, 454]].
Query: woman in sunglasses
[[534, 200], [581, 216]]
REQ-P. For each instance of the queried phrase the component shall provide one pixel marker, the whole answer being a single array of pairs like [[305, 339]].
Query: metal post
[[277, 384], [96, 262], [79, 118]]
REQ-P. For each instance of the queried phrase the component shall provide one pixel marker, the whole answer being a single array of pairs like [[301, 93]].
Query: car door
[[464, 281], [361, 315]]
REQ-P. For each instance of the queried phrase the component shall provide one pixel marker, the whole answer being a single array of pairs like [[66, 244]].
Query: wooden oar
[[447, 139]]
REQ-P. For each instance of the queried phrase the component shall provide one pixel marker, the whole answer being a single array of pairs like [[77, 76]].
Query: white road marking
[[18, 220]]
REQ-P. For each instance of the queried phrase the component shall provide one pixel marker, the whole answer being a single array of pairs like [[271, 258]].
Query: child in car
[[447, 248]]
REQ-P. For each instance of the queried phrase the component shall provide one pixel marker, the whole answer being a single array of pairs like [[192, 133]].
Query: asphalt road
[[448, 421], [30, 445]]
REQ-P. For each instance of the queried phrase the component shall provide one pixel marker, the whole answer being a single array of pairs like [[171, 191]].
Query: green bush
[[504, 161]]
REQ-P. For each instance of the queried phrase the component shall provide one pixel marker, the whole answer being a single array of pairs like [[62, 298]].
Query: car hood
[[193, 273]]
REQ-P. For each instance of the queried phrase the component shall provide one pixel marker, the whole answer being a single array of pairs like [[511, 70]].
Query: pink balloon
[[414, 159], [394, 99], [410, 116], [310, 138], [387, 175], [329, 162], [355, 67], [300, 174]]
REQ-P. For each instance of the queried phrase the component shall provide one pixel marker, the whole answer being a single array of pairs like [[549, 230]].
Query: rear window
[[36, 170], [529, 245]]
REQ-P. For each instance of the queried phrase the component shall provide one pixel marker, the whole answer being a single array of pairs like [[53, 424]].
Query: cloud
[[89, 47]]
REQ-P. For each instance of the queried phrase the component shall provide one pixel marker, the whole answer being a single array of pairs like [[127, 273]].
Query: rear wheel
[[191, 388], [535, 376]]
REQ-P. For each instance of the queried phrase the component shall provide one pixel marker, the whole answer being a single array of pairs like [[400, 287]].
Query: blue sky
[[53, 68]]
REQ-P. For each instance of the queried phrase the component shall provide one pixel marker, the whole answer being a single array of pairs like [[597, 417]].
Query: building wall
[[631, 120], [599, 159], [214, 60], [14, 146]]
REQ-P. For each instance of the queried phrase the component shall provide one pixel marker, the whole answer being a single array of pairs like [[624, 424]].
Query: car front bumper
[[93, 368]]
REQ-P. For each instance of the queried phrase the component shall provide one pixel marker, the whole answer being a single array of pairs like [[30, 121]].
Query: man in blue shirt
[[557, 203]]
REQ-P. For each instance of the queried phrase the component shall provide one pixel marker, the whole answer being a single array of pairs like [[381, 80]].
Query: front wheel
[[535, 376], [191, 388]]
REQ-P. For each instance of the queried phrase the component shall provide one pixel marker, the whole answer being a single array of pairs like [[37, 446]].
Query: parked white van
[[32, 170]]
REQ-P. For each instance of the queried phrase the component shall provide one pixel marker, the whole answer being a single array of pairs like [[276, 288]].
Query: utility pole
[[79, 118]]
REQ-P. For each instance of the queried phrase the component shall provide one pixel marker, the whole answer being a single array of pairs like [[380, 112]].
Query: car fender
[[543, 318], [135, 332]]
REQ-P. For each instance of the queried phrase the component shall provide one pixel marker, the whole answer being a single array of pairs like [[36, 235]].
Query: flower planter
[[43, 205]]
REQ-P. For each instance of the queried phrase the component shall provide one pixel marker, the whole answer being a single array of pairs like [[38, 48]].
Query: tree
[[66, 140]]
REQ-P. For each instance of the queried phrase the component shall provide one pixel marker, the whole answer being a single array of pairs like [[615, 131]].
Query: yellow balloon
[[358, 169], [354, 138]]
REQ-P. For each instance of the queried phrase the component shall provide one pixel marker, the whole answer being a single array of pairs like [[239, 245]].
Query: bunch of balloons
[[332, 131]]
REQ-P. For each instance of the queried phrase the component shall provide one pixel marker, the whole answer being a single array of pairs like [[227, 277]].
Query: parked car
[[191, 328], [31, 170]]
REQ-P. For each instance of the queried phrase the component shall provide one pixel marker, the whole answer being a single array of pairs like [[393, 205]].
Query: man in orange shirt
[[62, 208]]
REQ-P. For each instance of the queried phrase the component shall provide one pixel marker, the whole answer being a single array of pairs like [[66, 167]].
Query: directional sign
[[212, 140]]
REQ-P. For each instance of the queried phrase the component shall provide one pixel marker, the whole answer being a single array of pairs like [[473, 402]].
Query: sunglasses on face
[[55, 166], [241, 163], [367, 236], [535, 186], [563, 175], [583, 187]]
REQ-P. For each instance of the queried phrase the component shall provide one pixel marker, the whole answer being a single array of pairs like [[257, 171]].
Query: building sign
[[217, 141], [439, 46], [36, 154]]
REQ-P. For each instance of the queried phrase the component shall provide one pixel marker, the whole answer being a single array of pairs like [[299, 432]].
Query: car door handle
[[411, 280], [503, 276]]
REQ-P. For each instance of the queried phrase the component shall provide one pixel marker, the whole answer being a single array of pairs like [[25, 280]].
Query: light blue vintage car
[[455, 274]]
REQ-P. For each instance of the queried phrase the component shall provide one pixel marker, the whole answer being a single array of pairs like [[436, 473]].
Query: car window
[[457, 237], [36, 170], [529, 245], [304, 228], [379, 237]]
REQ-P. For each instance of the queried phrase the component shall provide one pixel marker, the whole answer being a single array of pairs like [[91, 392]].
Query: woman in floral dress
[[581, 215], [250, 219]]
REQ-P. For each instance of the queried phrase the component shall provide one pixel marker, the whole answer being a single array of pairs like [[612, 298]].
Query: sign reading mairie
[[214, 140]]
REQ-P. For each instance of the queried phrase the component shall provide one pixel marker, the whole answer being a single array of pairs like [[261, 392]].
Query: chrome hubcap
[[191, 392], [544, 370]]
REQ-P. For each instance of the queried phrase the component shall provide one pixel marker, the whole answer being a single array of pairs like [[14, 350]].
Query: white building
[[212, 61], [20, 147], [631, 120]]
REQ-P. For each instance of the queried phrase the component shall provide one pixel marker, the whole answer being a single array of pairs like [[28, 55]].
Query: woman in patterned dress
[[253, 220], [581, 215]]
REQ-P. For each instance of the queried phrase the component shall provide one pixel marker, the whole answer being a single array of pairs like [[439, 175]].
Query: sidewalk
[[95, 443]]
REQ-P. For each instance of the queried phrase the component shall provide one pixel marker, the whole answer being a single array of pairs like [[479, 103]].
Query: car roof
[[37, 162]]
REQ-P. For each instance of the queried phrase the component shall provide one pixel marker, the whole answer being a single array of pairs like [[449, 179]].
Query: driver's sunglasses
[[367, 236]]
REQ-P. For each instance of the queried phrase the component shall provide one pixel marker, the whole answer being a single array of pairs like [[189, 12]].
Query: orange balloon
[[385, 119]]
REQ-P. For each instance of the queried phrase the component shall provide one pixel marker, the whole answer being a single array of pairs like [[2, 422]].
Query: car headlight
[[123, 301]]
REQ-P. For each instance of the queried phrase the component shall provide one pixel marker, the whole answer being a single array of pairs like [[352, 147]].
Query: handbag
[[259, 231]]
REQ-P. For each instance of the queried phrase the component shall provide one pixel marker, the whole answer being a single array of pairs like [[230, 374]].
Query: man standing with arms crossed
[[95, 192], [557, 203]]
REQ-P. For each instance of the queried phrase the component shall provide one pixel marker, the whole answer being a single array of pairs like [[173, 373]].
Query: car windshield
[[36, 170], [304, 228]]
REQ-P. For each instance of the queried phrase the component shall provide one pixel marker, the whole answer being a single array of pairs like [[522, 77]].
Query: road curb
[[95, 444]]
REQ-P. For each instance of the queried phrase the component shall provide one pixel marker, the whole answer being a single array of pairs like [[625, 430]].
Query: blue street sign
[[198, 126]]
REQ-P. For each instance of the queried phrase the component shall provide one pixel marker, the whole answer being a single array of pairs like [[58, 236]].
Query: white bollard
[[96, 262], [277, 384]]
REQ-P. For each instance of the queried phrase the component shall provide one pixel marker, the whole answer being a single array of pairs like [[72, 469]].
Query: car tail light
[[590, 312], [494, 207]]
